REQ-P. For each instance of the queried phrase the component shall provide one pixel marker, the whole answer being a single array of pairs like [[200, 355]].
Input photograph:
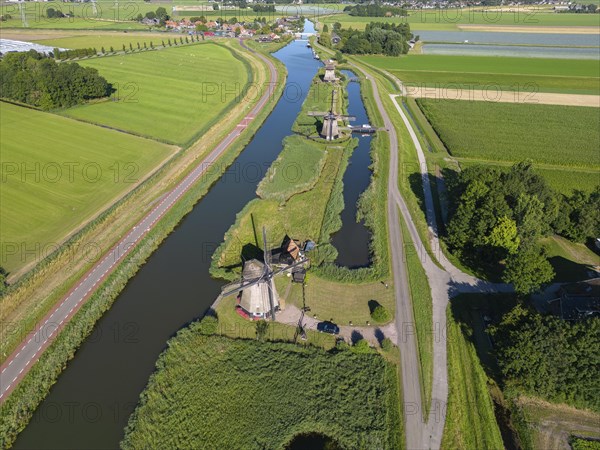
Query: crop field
[[554, 135], [506, 73], [296, 170], [238, 393], [57, 173], [451, 19], [108, 15], [196, 83], [470, 420]]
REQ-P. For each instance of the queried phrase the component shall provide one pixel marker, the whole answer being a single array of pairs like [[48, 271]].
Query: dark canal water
[[90, 404], [352, 240]]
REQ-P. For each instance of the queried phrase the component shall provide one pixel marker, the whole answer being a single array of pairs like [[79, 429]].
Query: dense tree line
[[38, 80], [549, 357], [499, 216], [74, 53], [377, 38], [375, 10]]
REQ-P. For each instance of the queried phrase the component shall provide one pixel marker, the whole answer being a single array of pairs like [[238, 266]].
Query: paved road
[[18, 364]]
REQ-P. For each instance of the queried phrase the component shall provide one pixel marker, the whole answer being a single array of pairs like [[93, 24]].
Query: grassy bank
[[244, 391], [470, 419]]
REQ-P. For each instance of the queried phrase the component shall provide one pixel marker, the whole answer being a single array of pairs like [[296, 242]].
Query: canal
[[352, 240], [91, 402]]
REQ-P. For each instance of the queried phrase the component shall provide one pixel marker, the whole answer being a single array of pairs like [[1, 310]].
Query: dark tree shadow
[[372, 305], [379, 336], [356, 336]]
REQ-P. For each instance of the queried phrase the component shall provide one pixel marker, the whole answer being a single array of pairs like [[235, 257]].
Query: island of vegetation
[[240, 392]]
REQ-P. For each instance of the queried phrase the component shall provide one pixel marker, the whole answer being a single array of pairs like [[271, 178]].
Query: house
[[287, 253], [577, 301]]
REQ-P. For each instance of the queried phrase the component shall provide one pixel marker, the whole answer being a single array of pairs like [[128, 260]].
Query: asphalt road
[[31, 348]]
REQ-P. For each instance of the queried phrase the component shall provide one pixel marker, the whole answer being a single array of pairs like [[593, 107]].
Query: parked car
[[328, 327]]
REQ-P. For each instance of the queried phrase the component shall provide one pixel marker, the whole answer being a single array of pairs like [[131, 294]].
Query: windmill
[[330, 130], [259, 297]]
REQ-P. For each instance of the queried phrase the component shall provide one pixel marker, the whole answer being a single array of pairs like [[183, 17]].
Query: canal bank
[[90, 404]]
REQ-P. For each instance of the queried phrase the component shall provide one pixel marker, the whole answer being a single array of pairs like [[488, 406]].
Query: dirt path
[[498, 95]]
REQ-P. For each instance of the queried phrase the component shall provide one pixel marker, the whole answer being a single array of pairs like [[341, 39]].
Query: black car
[[328, 327]]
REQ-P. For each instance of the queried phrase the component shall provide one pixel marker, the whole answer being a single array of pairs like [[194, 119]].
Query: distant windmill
[[330, 130], [259, 297]]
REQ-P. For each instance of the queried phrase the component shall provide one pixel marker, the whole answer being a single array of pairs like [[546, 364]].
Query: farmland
[[506, 73], [452, 19], [40, 208], [554, 135], [175, 104], [241, 391]]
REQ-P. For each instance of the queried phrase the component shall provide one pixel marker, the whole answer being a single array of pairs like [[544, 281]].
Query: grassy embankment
[[470, 419], [18, 408], [526, 75], [50, 190], [244, 392], [310, 209]]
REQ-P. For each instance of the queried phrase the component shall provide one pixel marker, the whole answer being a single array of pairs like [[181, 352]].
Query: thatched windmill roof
[[255, 298]]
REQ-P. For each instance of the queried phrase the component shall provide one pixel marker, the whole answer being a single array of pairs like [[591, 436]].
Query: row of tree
[[37, 80], [498, 218], [549, 357], [375, 10]]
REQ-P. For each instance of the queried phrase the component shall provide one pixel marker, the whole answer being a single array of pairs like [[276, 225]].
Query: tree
[[208, 325], [151, 15], [215, 6], [325, 29], [201, 28], [361, 346], [504, 235], [528, 269], [161, 13], [112, 50], [262, 327], [124, 49], [102, 50], [130, 47], [380, 314], [3, 283]]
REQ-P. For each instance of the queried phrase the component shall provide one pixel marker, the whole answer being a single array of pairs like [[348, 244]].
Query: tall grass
[[240, 393]]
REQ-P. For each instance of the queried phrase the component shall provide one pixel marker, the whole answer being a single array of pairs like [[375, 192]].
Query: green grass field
[[175, 103], [108, 15], [216, 392], [451, 19], [296, 170], [75, 170], [546, 134], [470, 420], [477, 72]]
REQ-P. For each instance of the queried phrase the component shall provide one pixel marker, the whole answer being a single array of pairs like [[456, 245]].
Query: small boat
[[308, 45], [317, 56]]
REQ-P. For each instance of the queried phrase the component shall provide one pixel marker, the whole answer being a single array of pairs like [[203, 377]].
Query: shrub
[[209, 325], [380, 314]]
